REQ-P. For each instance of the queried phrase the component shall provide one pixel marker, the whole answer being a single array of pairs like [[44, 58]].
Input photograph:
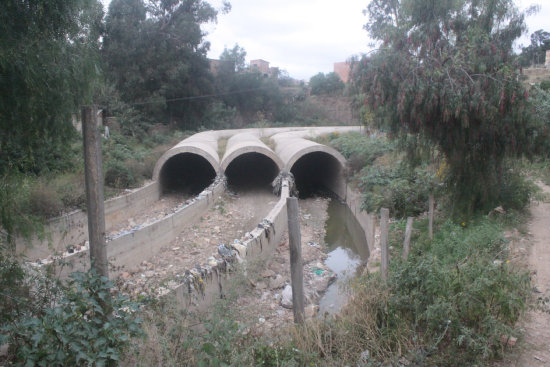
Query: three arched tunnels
[[248, 162], [200, 169]]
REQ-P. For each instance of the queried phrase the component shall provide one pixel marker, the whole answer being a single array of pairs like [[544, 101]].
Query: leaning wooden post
[[93, 170], [296, 267], [384, 229], [407, 241], [431, 216]]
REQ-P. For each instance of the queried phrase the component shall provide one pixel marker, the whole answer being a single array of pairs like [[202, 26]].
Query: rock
[[277, 282], [364, 358], [211, 261], [508, 340], [268, 273], [311, 310], [124, 275], [261, 285], [286, 297], [4, 350]]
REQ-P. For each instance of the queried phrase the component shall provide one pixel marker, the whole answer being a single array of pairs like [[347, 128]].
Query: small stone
[[277, 283], [286, 297], [311, 310], [268, 273], [124, 275], [508, 340]]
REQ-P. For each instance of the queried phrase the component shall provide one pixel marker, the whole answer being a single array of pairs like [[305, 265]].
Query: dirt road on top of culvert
[[533, 349]]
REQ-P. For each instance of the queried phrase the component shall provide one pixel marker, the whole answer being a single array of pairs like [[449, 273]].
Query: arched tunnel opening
[[317, 174], [251, 171], [187, 174]]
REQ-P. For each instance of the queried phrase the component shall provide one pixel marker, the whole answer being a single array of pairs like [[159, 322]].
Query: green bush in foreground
[[448, 305], [88, 327]]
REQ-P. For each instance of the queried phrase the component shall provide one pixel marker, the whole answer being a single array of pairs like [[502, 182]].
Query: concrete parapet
[[204, 144], [72, 228], [247, 142], [133, 247], [204, 284], [353, 201], [292, 148]]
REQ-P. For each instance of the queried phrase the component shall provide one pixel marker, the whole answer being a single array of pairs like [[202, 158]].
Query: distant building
[[261, 65], [343, 70], [217, 65], [547, 61]]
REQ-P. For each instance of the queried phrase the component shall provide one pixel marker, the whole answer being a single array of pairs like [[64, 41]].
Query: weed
[[83, 324], [448, 305]]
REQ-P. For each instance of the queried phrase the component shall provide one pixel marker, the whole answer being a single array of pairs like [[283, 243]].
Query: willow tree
[[444, 74], [49, 67]]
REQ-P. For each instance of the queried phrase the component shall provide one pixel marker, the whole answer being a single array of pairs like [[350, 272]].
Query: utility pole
[[93, 170], [296, 266]]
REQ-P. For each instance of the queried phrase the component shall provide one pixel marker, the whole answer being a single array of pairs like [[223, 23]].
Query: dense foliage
[[48, 65], [156, 56], [326, 84], [443, 75], [78, 324], [450, 304], [535, 53]]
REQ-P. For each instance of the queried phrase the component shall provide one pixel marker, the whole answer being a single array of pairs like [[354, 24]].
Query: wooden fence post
[[384, 229], [407, 241], [93, 170], [296, 266], [431, 216]]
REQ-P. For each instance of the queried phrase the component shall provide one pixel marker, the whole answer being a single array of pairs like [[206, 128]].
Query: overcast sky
[[305, 37]]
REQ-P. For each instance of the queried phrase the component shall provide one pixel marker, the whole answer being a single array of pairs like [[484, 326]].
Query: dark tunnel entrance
[[317, 173], [251, 171], [187, 174]]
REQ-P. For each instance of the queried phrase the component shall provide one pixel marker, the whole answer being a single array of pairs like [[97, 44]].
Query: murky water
[[348, 253]]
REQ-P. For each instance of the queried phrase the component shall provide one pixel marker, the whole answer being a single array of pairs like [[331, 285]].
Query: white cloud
[[305, 37]]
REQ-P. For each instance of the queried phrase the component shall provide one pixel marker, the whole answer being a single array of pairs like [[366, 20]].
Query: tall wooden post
[[407, 241], [384, 229], [296, 267], [431, 216], [93, 170]]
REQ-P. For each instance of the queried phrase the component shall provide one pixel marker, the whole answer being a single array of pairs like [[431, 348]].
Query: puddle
[[347, 251]]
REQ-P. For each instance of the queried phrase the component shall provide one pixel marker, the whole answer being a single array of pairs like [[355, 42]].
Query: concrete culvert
[[251, 171], [186, 173], [318, 173]]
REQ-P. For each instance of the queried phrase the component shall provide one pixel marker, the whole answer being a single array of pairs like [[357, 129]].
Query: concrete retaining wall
[[132, 248], [265, 239], [353, 201], [72, 228]]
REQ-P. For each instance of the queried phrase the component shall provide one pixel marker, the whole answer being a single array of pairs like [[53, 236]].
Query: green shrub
[[361, 150], [459, 292], [449, 304], [545, 85], [88, 327], [402, 190], [44, 201], [120, 175]]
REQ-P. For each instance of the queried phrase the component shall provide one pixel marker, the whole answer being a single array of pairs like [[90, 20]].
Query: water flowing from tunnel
[[347, 254]]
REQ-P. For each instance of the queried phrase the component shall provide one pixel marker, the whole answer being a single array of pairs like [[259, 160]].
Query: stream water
[[347, 253]]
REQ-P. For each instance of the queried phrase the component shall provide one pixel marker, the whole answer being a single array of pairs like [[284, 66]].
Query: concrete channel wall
[[203, 286], [130, 249], [72, 228]]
